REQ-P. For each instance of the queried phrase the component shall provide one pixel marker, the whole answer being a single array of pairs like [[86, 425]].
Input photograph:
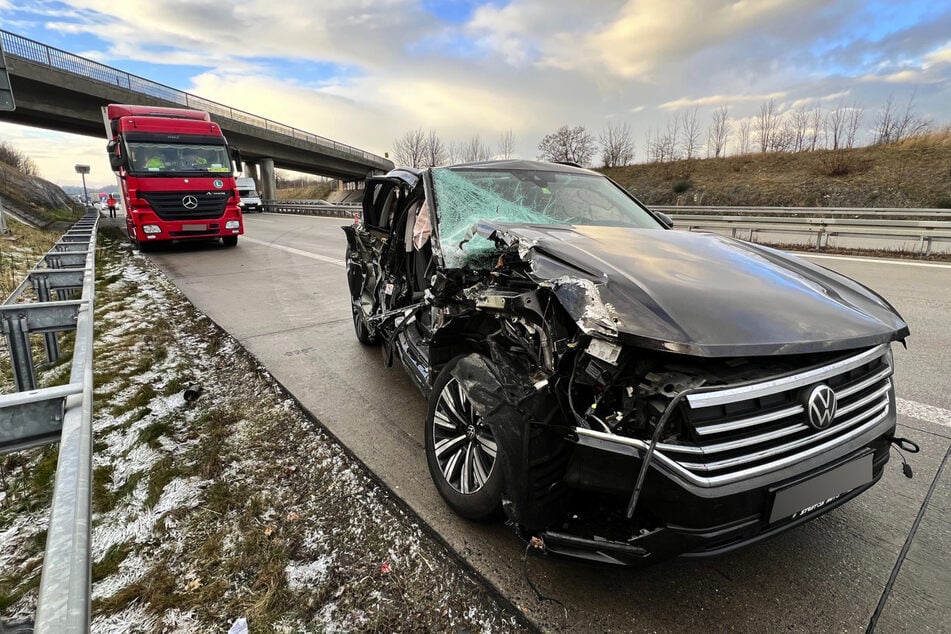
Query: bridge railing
[[33, 416], [19, 46]]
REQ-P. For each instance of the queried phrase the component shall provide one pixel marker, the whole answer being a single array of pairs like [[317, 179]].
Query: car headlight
[[232, 224], [151, 229]]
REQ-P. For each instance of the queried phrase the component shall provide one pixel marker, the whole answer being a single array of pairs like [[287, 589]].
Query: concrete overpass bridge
[[61, 91]]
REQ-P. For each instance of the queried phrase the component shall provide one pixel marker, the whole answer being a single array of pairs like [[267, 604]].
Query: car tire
[[461, 451], [230, 241], [361, 329]]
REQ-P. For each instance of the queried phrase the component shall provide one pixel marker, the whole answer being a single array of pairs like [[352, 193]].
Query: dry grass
[[317, 191], [20, 251], [914, 173]]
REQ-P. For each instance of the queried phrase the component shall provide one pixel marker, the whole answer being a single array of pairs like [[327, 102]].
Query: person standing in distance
[[111, 203]]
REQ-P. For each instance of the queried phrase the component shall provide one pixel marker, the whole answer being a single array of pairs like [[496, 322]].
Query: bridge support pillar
[[267, 183], [251, 171]]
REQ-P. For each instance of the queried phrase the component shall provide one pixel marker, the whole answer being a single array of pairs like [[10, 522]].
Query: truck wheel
[[230, 241], [461, 451]]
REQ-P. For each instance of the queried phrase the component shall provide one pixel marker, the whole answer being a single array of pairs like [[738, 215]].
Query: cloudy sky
[[365, 72]]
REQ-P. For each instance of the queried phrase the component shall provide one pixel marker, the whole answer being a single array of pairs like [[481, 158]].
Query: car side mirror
[[665, 219]]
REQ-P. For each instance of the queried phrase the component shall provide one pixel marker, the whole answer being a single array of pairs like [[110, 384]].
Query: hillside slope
[[35, 199], [914, 173]]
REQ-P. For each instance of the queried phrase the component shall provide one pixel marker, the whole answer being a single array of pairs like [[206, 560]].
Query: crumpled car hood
[[699, 294]]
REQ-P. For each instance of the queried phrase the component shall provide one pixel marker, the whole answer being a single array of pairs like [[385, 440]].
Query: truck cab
[[176, 172]]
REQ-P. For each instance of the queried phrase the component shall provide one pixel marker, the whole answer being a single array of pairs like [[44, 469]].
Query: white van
[[250, 200]]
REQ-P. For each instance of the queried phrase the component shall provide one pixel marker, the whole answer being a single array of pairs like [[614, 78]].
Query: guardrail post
[[21, 358], [42, 286]]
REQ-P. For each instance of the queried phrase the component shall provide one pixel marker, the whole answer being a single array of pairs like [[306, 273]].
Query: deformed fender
[[531, 446]]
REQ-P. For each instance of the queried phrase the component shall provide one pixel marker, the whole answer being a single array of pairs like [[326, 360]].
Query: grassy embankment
[[913, 173]]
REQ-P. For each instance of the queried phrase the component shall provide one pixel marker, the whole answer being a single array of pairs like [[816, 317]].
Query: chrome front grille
[[205, 205], [758, 427]]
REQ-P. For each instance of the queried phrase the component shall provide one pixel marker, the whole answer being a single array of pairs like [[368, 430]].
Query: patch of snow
[[132, 619], [301, 574]]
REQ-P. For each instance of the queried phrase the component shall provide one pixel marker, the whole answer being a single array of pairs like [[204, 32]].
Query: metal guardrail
[[926, 226], [19, 46], [311, 208], [34, 416], [819, 223]]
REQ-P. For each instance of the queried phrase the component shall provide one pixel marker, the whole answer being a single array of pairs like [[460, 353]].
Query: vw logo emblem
[[820, 406], [189, 202], [217, 183]]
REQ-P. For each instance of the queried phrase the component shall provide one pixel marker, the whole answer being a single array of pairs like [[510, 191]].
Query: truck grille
[[758, 427], [172, 205]]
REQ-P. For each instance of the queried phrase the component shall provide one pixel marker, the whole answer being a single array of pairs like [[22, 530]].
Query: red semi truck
[[176, 172]]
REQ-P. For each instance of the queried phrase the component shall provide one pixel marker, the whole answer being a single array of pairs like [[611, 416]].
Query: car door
[[373, 261]]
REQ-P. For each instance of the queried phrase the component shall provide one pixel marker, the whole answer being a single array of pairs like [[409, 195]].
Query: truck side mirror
[[115, 159], [236, 157]]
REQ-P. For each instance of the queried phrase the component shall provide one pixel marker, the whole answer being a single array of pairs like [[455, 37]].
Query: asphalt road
[[282, 294]]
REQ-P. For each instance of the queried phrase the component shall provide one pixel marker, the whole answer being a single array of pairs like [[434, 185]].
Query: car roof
[[521, 164], [411, 173]]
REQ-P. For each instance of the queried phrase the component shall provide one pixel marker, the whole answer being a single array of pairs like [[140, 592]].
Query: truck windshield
[[167, 158]]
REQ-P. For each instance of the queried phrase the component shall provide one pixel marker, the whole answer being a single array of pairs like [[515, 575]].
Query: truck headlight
[[151, 229], [232, 224]]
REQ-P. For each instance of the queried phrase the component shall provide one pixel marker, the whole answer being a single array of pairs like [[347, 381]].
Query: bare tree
[[667, 142], [718, 132], [841, 126], [910, 124], [815, 126], [569, 145], [617, 145], [454, 152], [690, 133], [852, 121], [506, 144], [651, 147], [765, 125], [783, 137], [410, 149], [474, 150], [892, 126], [17, 159], [435, 150], [799, 122], [744, 141]]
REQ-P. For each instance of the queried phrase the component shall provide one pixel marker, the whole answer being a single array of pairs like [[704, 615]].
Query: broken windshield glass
[[461, 203], [466, 196]]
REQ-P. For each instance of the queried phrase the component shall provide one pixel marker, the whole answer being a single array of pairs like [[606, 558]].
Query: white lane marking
[[927, 413], [256, 220], [307, 254], [873, 260]]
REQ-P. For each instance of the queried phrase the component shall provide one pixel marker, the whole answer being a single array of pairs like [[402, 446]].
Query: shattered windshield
[[466, 196]]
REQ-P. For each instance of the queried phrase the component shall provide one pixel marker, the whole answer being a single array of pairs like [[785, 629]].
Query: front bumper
[[678, 517]]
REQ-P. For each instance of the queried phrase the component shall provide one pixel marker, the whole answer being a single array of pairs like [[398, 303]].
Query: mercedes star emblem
[[821, 406], [190, 202]]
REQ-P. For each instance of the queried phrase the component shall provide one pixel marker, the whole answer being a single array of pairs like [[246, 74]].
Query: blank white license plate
[[806, 497], [194, 227]]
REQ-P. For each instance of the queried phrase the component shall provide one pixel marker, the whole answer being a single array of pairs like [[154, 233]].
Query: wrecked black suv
[[623, 391]]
